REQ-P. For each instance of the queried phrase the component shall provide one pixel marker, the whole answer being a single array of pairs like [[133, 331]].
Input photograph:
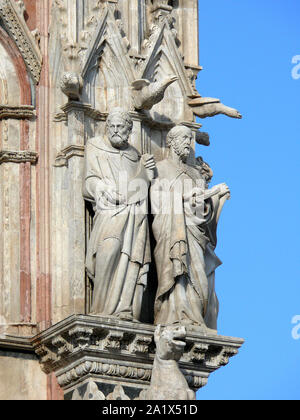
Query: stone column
[[188, 32], [69, 169]]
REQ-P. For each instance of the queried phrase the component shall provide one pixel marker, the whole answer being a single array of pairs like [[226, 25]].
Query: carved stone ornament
[[118, 394], [146, 94], [71, 85], [18, 156], [18, 112], [168, 382], [68, 153], [161, 9], [12, 15], [209, 107], [92, 394], [111, 351]]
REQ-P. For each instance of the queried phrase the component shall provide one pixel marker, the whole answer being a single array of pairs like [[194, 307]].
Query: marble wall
[[44, 222]]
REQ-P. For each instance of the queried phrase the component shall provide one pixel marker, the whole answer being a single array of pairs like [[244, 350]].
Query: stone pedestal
[[105, 358]]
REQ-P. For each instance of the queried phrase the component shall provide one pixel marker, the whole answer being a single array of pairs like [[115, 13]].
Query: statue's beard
[[119, 141], [183, 151]]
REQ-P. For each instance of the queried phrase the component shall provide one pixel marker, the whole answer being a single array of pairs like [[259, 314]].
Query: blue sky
[[246, 49]]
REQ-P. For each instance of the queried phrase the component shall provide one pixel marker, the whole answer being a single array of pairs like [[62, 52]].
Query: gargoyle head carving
[[170, 342]]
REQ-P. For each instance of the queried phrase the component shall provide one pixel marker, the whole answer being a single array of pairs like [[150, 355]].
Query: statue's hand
[[225, 191], [150, 165], [149, 161], [194, 197], [110, 192], [113, 196]]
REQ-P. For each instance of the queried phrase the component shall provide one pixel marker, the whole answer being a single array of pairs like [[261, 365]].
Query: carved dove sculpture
[[209, 107], [147, 94]]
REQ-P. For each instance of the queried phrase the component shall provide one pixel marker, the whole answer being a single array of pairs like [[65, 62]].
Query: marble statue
[[186, 215], [71, 85], [118, 254], [146, 94], [167, 381], [209, 107]]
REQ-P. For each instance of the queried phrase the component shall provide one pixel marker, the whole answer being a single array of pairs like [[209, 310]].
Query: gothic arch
[[13, 71], [108, 75], [15, 173], [164, 60], [12, 19]]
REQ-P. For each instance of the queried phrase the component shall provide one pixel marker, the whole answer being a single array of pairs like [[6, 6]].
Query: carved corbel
[[89, 348], [140, 344], [198, 353], [219, 356], [227, 353], [197, 382], [112, 340], [47, 357], [81, 336], [63, 347]]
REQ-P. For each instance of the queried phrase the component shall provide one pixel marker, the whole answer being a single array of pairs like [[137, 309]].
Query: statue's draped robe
[[118, 254], [184, 251]]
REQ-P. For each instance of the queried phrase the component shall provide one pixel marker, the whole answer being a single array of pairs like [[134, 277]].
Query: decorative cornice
[[86, 108], [11, 15], [193, 126], [60, 117], [13, 343], [115, 370], [16, 112], [18, 156], [145, 118], [62, 159], [84, 346]]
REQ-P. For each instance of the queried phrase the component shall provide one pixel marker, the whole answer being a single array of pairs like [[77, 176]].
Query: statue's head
[[119, 127], [179, 139], [170, 342]]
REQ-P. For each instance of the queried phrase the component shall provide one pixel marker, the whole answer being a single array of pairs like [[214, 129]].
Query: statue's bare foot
[[126, 316]]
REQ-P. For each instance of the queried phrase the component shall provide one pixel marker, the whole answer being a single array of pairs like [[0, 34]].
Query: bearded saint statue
[[186, 215], [118, 254]]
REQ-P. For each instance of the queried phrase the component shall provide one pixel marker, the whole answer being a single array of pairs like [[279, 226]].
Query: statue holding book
[[186, 215]]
